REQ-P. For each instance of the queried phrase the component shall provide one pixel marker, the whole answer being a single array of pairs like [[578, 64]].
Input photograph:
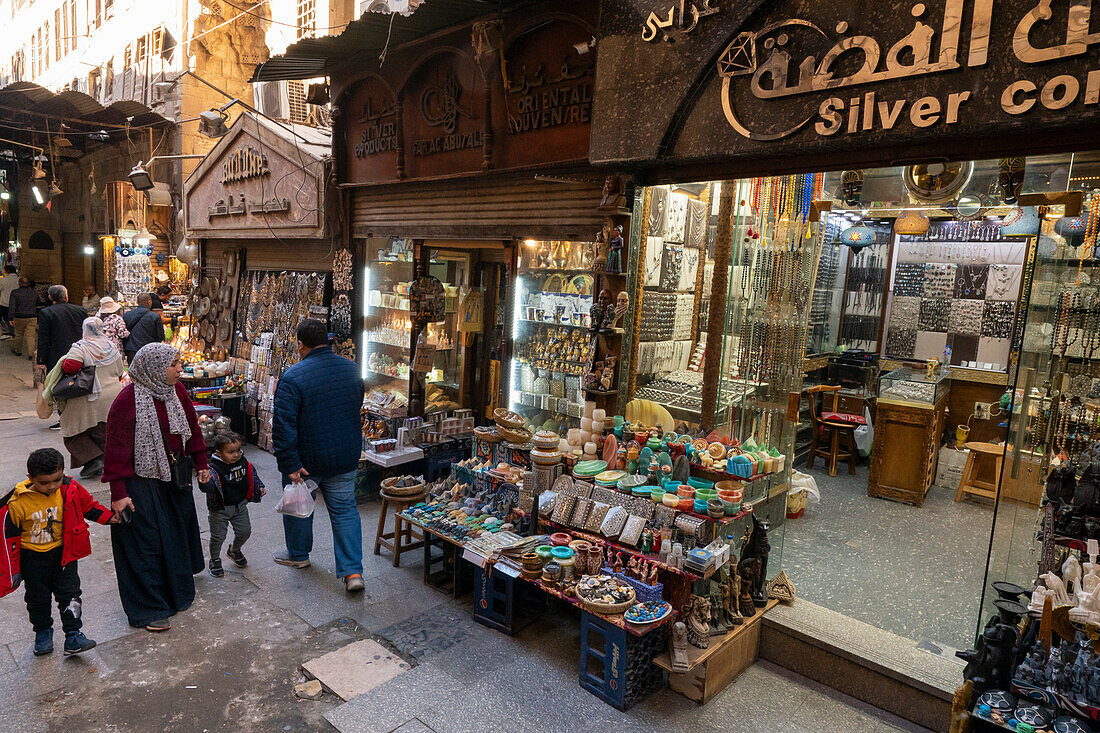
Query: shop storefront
[[923, 300], [465, 160], [267, 250], [845, 233]]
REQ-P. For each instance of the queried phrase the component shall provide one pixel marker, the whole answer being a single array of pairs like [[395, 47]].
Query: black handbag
[[75, 385], [183, 468]]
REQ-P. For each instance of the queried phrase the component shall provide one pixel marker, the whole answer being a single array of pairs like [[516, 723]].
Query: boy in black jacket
[[233, 484]]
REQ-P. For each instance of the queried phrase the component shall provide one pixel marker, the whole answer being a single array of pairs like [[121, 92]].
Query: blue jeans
[[347, 532]]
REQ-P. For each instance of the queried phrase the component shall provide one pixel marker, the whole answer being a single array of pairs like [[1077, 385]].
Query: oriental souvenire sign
[[805, 77]]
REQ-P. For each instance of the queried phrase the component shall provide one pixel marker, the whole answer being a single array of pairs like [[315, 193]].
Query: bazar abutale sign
[[875, 71]]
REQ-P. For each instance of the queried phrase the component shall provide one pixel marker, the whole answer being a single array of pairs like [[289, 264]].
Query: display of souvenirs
[[132, 275], [563, 350], [275, 303]]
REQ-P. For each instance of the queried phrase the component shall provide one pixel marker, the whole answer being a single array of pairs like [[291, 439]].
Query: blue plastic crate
[[645, 593]]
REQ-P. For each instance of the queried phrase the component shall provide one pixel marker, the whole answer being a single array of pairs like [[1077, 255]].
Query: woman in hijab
[[152, 426], [84, 419]]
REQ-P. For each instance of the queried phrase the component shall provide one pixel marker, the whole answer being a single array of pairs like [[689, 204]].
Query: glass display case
[[386, 364], [910, 385], [386, 326], [1053, 415], [554, 345]]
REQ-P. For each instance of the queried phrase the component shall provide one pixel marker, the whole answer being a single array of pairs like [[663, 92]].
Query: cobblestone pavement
[[231, 661]]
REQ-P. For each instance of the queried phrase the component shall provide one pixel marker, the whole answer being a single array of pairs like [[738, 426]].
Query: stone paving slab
[[356, 668]]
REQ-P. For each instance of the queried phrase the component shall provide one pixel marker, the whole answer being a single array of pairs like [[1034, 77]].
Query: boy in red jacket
[[45, 533]]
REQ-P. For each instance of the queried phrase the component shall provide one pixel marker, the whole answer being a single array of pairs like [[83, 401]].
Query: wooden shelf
[[697, 656]]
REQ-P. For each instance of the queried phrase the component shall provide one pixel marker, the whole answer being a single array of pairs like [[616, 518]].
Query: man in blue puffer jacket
[[317, 433]]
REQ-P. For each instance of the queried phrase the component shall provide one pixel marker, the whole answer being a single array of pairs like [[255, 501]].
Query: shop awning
[[33, 114], [367, 36]]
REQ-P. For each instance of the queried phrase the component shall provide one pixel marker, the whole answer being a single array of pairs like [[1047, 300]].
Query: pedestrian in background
[[84, 418], [144, 325], [60, 325], [317, 434], [8, 283], [110, 312], [90, 301], [153, 439], [23, 309]]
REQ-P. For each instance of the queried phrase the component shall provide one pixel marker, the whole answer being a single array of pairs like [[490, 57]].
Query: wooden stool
[[834, 431], [970, 484], [401, 539]]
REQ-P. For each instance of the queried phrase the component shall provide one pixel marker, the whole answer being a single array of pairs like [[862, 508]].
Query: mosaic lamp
[[912, 223], [858, 237], [1072, 228], [1020, 222]]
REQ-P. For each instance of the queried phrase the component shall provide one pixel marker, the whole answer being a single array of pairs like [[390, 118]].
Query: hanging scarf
[[149, 375], [95, 349]]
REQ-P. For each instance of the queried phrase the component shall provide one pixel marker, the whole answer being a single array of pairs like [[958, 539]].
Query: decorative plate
[[588, 469], [648, 613]]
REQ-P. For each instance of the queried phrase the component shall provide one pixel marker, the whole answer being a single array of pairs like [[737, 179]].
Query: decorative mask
[[851, 186], [623, 300], [1010, 178]]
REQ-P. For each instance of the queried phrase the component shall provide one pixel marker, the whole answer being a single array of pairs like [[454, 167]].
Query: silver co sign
[[836, 68]]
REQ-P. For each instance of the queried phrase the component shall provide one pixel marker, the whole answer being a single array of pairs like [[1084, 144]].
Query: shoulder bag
[[75, 385], [183, 468]]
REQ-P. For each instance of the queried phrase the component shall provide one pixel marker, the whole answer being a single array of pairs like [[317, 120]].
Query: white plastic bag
[[865, 435], [297, 499], [805, 482]]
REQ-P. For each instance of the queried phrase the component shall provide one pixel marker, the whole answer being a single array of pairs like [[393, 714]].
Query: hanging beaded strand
[[1088, 247]]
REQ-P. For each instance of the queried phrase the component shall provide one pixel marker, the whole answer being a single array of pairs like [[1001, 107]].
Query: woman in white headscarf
[[84, 419], [153, 426]]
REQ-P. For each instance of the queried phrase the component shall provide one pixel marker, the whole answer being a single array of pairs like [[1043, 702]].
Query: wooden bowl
[[508, 419]]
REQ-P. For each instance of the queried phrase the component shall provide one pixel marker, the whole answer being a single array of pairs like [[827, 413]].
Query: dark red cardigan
[[118, 454]]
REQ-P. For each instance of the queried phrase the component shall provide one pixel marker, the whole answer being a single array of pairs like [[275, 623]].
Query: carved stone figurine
[[607, 378], [960, 708], [622, 305], [734, 583], [749, 570], [600, 309], [759, 547], [614, 195], [615, 249], [718, 625], [677, 647], [698, 626], [600, 250]]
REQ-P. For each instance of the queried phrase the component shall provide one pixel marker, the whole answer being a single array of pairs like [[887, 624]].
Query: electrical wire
[[288, 25]]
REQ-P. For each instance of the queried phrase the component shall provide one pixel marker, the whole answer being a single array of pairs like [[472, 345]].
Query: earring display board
[[865, 293], [957, 294], [270, 306]]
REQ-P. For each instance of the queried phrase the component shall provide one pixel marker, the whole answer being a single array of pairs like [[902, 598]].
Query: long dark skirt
[[157, 553], [87, 446]]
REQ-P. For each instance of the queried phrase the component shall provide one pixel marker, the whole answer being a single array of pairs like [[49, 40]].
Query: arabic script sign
[[798, 58], [682, 15]]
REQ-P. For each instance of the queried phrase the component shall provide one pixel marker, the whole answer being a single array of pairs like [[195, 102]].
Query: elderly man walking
[[317, 434], [59, 327]]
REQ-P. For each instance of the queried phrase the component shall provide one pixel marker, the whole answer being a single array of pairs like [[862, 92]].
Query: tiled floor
[[914, 571]]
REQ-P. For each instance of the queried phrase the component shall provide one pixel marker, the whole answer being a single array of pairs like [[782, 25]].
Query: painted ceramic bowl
[[610, 478], [560, 539], [685, 491], [699, 483], [670, 499], [657, 494], [563, 553], [699, 506], [707, 494], [648, 613], [686, 504], [589, 469], [544, 552], [729, 508]]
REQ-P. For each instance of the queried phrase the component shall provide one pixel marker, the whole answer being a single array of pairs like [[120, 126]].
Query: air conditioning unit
[[272, 99]]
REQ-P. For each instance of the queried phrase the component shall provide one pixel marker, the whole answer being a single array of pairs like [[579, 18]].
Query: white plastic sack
[[865, 434], [297, 499], [805, 482]]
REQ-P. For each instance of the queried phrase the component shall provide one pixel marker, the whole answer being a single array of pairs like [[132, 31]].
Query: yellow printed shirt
[[38, 517]]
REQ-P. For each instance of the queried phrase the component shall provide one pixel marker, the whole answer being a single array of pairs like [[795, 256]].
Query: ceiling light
[[212, 123], [55, 190], [100, 137], [61, 141], [38, 171], [140, 178], [5, 193], [143, 238], [89, 249], [36, 190]]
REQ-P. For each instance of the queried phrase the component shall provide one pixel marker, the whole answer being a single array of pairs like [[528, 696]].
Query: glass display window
[[387, 328], [554, 344]]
